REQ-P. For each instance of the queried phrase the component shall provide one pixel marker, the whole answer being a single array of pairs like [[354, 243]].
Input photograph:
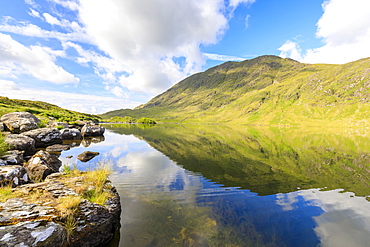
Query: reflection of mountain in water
[[266, 160]]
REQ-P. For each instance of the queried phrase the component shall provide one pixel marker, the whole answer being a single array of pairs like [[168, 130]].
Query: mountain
[[267, 90], [42, 110]]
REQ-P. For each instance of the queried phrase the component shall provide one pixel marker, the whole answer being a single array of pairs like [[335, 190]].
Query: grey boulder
[[21, 143], [18, 122], [45, 136], [41, 165]]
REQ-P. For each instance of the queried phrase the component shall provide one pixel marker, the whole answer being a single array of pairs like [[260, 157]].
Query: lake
[[211, 185]]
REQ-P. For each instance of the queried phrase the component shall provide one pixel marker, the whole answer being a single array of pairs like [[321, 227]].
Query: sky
[[95, 56]]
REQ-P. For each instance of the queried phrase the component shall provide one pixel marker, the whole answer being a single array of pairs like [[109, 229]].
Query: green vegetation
[[267, 160], [130, 120], [267, 90], [146, 120], [43, 111], [6, 193], [94, 187], [3, 146]]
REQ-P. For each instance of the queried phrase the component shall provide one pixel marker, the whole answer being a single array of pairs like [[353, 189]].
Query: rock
[[22, 143], [41, 165], [33, 233], [1, 127], [13, 174], [45, 136], [18, 122], [39, 223], [87, 155], [71, 134], [92, 130], [57, 148], [13, 157]]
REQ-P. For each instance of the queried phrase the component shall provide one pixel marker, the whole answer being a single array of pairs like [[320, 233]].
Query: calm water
[[223, 186]]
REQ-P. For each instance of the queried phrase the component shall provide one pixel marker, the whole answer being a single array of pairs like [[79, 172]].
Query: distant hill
[[267, 90], [42, 110]]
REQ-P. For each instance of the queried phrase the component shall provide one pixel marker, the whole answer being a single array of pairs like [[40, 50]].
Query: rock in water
[[41, 165], [87, 155], [45, 137], [21, 143], [18, 122], [92, 130], [71, 134]]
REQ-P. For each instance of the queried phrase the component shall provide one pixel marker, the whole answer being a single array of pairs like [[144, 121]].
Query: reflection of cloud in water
[[345, 220], [149, 169]]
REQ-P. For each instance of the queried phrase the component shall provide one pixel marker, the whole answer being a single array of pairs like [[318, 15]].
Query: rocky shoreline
[[33, 169]]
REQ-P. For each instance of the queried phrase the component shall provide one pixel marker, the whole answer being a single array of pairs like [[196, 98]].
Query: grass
[[43, 111], [4, 147], [93, 186], [6, 193]]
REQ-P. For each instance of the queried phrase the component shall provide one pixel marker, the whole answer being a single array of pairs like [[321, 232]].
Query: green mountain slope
[[267, 90], [43, 110]]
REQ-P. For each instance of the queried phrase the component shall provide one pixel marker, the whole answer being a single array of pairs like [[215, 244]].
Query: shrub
[[146, 120]]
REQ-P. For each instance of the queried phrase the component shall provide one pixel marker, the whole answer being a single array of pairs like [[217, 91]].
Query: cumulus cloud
[[291, 49], [146, 36], [344, 28], [8, 85], [35, 60], [72, 101]]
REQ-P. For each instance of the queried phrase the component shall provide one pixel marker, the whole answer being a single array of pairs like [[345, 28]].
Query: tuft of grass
[[67, 206], [97, 179], [6, 193]]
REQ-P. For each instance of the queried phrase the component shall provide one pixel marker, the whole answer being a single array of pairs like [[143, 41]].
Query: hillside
[[42, 110], [267, 90]]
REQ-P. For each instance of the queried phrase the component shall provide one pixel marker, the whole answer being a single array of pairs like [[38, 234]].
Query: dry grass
[[68, 206]]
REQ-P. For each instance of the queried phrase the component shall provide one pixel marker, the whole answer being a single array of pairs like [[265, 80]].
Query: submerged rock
[[18, 122], [45, 136], [41, 165], [87, 155]]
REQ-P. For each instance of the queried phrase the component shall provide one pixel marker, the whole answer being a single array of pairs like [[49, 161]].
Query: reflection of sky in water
[[301, 218]]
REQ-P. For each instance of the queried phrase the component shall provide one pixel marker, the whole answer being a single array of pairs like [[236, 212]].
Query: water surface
[[237, 186]]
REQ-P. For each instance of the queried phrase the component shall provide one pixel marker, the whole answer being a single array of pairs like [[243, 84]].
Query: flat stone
[[87, 155]]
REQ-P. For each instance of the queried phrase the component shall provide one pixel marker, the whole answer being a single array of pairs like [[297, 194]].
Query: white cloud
[[344, 27], [72, 5], [145, 36], [35, 60], [94, 104], [235, 3], [291, 49], [51, 19], [225, 58], [247, 21], [34, 13], [8, 85]]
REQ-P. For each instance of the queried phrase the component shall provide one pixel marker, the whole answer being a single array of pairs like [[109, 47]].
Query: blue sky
[[97, 56]]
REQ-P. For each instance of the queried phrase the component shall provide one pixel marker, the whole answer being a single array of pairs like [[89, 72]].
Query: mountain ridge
[[266, 90]]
